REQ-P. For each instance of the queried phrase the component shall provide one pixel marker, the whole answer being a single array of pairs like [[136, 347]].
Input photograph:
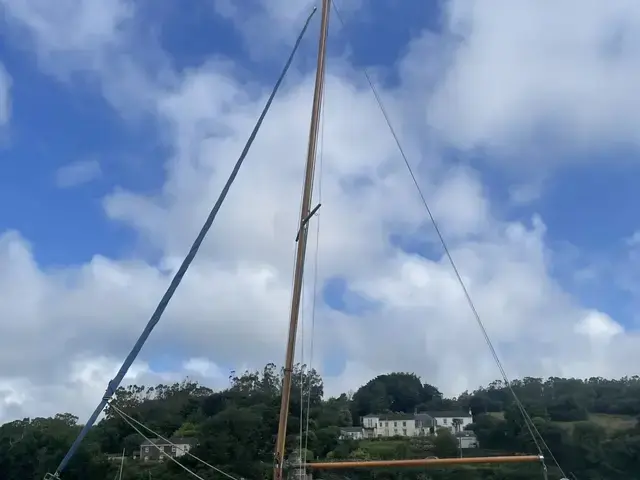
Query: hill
[[590, 426]]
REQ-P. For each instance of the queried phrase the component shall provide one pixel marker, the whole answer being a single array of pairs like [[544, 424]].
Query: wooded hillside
[[590, 426]]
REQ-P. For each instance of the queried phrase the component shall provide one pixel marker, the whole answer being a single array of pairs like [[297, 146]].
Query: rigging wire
[[121, 466], [528, 421], [302, 365], [139, 432], [177, 279], [128, 418]]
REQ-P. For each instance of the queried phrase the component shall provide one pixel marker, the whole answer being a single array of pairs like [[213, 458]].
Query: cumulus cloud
[[70, 326], [536, 75], [282, 18]]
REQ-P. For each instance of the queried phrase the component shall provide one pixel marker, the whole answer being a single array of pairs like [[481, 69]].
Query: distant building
[[176, 447], [455, 421], [467, 439], [411, 425], [114, 457], [354, 433]]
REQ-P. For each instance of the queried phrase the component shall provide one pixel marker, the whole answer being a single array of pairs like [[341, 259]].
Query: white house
[[157, 449], [370, 422], [454, 421], [354, 433], [411, 425], [396, 424]]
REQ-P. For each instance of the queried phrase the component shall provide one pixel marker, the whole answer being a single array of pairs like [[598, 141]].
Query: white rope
[[130, 419]]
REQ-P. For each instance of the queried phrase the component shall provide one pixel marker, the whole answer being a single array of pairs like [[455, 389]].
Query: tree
[[395, 392], [235, 428], [445, 444]]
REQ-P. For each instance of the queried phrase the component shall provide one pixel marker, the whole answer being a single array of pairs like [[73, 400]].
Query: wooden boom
[[423, 462]]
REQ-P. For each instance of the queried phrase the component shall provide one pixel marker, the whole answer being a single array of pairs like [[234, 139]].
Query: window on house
[[444, 421], [146, 449], [173, 449], [404, 431], [404, 424], [380, 424], [395, 424]]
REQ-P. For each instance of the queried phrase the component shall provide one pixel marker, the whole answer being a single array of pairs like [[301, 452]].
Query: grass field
[[610, 423]]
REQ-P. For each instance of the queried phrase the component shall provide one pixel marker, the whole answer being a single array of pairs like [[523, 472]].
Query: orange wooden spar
[[423, 462]]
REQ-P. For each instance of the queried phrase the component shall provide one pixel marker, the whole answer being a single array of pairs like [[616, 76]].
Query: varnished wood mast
[[302, 241]]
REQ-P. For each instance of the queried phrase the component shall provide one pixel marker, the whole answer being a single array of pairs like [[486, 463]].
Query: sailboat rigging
[[306, 214]]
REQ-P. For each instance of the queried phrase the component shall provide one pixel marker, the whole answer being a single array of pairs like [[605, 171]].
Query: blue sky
[[98, 159], [56, 123]]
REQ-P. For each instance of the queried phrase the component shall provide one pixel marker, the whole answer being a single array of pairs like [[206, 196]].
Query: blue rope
[[175, 282]]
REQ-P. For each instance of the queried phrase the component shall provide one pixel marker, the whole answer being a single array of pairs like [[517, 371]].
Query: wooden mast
[[302, 241]]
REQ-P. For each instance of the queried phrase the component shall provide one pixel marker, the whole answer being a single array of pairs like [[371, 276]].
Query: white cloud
[[90, 39], [5, 96], [78, 30], [78, 173], [538, 76], [283, 19], [232, 310]]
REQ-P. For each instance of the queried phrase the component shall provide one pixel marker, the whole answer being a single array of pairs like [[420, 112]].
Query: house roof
[[424, 418], [450, 414], [391, 416], [396, 416], [172, 440], [351, 429]]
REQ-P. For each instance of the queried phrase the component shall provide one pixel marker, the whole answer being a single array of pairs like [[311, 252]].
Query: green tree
[[445, 444], [590, 425]]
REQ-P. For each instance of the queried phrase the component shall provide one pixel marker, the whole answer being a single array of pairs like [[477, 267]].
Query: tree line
[[590, 426]]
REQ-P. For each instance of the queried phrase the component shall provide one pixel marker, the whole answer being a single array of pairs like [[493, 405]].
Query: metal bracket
[[306, 220], [545, 472]]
